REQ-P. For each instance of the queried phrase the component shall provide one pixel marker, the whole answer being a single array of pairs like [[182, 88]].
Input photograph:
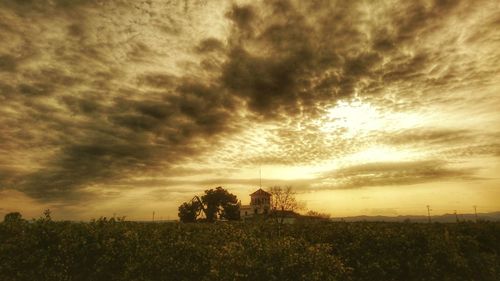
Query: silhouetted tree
[[318, 215], [215, 204], [47, 215], [13, 217], [231, 212], [284, 202], [219, 203], [188, 211], [283, 198]]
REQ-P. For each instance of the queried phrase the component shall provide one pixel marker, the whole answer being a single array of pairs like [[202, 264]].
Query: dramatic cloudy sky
[[364, 107]]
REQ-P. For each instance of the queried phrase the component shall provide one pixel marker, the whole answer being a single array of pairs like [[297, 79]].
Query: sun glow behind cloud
[[352, 118]]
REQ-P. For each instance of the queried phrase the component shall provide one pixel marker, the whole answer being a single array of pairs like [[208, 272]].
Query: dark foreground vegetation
[[310, 250]]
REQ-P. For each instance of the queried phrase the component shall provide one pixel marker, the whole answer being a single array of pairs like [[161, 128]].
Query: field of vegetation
[[110, 249]]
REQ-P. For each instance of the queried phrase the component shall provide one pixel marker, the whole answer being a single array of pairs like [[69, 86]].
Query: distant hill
[[494, 216]]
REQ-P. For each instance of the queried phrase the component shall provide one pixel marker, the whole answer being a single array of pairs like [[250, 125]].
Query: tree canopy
[[215, 204], [13, 217], [188, 211]]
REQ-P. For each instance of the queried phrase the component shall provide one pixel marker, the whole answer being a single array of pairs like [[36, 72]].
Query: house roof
[[261, 192]]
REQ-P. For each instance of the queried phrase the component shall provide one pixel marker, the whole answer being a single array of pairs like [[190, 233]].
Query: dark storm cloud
[[271, 82], [136, 136], [70, 90], [35, 89], [209, 45], [41, 5], [8, 177], [79, 105], [83, 165], [396, 173], [118, 135], [288, 57], [7, 63], [101, 136]]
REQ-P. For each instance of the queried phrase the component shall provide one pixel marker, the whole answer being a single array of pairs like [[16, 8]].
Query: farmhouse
[[260, 203]]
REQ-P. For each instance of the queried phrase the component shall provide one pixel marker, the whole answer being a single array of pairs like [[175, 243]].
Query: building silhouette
[[260, 204]]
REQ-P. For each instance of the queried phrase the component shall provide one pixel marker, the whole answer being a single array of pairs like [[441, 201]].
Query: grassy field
[[117, 250]]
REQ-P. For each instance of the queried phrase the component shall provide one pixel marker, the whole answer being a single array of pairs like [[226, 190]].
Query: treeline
[[109, 249]]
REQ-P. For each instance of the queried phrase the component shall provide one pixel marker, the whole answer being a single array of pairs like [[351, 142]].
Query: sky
[[364, 107]]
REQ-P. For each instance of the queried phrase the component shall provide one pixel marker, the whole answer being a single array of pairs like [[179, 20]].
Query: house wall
[[251, 210], [259, 204]]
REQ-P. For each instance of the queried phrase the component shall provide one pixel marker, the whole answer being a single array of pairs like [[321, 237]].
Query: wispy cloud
[[396, 173]]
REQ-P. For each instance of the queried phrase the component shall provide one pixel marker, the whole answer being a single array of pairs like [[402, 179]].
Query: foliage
[[317, 215], [217, 201], [13, 217], [188, 211], [110, 249], [47, 214], [215, 204], [231, 211]]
